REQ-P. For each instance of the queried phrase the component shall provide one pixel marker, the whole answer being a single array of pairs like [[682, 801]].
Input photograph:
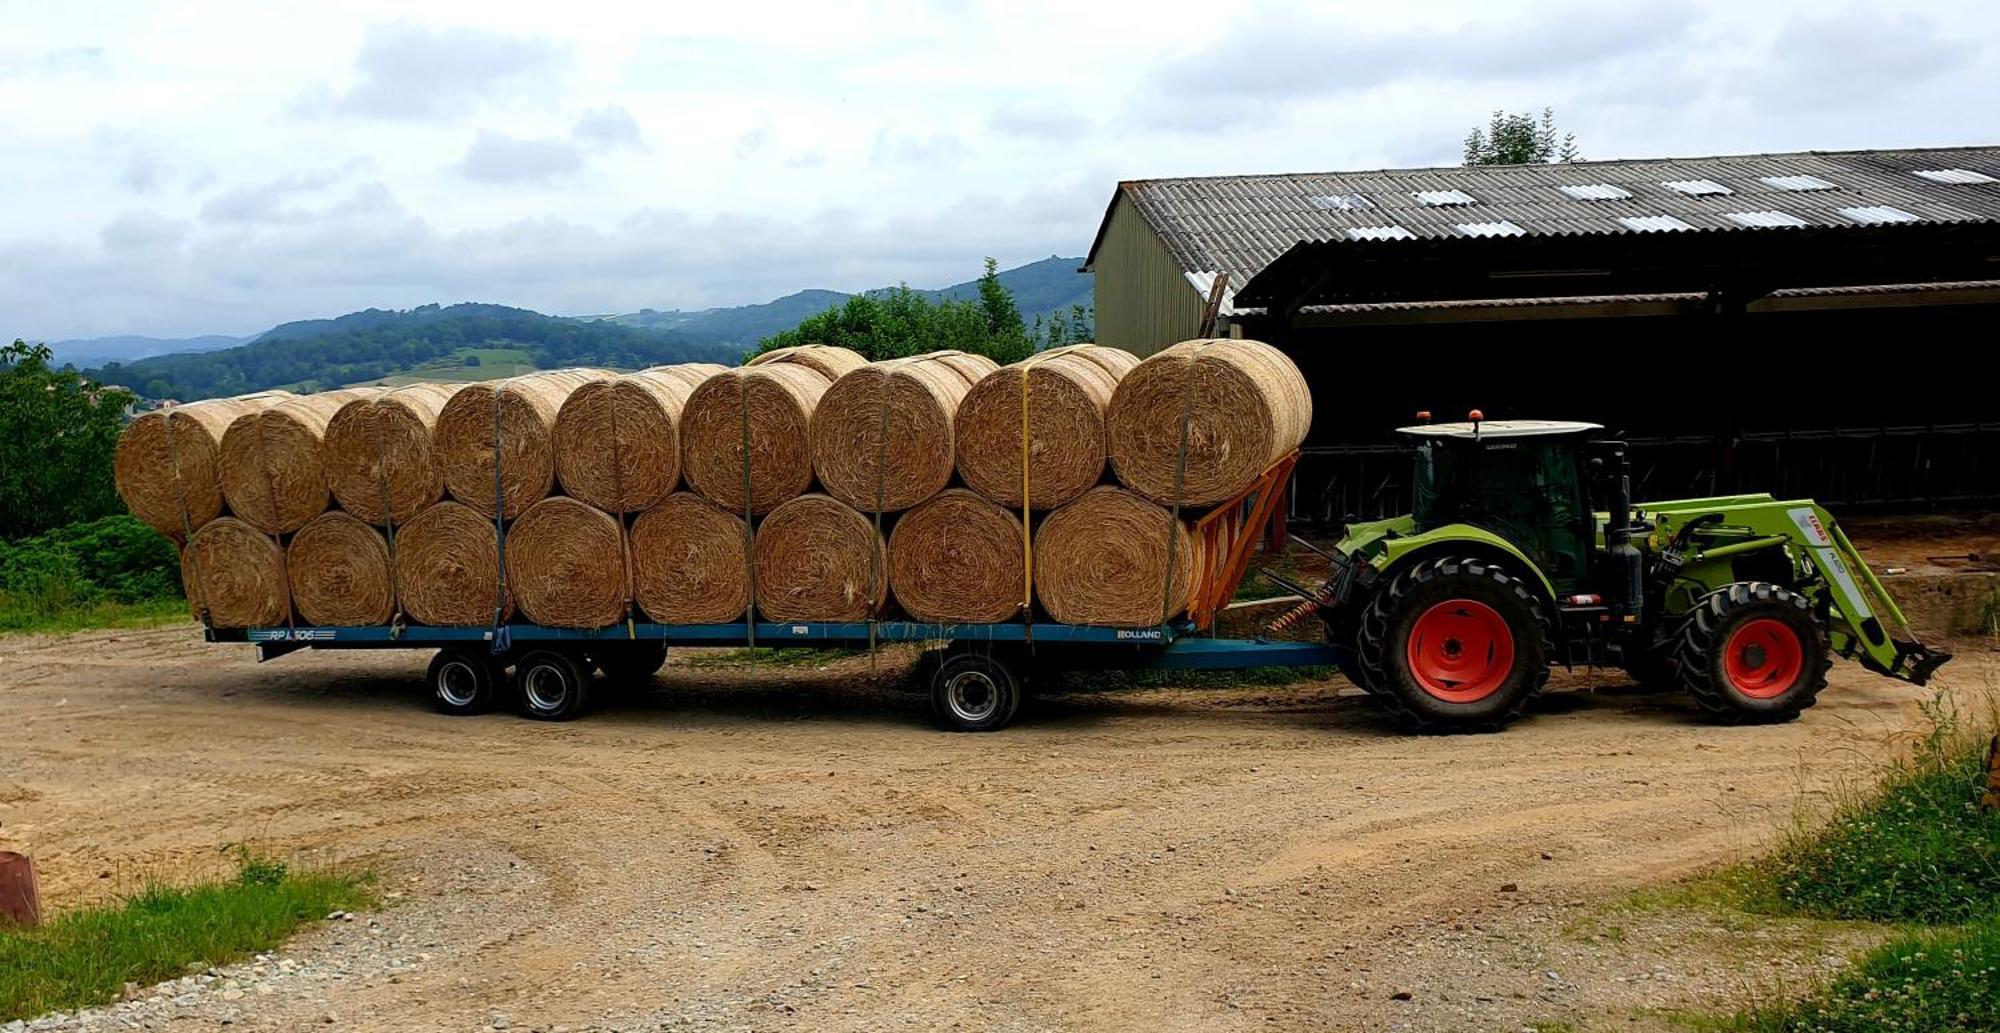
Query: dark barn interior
[[1886, 408]]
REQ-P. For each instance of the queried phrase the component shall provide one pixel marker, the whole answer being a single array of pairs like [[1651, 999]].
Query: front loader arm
[[1892, 650]]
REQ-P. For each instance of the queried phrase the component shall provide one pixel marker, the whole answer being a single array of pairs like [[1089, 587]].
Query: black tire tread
[[1700, 638], [1374, 630]]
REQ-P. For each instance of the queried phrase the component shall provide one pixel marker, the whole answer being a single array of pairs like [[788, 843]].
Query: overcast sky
[[192, 167]]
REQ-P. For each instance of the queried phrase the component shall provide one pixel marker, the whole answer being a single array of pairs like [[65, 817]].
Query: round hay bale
[[1068, 392], [166, 465], [382, 446], [238, 572], [690, 562], [819, 560], [827, 360], [956, 558], [273, 472], [1103, 560], [1249, 407], [1115, 361], [448, 567], [972, 368], [618, 444], [566, 564], [339, 572], [527, 407], [778, 399], [890, 461]]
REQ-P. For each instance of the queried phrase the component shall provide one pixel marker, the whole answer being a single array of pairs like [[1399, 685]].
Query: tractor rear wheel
[[1751, 653], [1455, 645]]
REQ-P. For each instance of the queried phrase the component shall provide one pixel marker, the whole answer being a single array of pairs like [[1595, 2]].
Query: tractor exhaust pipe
[[1626, 565]]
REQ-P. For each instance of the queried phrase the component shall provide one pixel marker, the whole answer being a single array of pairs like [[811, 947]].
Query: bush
[[114, 559], [1916, 850]]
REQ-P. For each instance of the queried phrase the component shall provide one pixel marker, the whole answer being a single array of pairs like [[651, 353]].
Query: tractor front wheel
[[1455, 645], [1751, 653]]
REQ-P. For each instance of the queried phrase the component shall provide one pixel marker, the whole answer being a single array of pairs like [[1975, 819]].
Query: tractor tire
[[1455, 645], [1752, 653]]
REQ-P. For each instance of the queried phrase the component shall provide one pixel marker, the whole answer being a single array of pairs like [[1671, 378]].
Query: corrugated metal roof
[[1239, 224]]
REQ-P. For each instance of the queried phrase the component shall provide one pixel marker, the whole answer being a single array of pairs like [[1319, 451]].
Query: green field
[[494, 364]]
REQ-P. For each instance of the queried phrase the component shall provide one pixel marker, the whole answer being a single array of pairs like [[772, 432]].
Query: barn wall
[[1143, 302]]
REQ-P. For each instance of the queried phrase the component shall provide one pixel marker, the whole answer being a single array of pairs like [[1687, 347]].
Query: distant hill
[[365, 346], [96, 351], [1039, 288], [474, 341]]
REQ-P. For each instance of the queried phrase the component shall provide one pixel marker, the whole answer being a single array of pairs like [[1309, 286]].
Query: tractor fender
[[1465, 540]]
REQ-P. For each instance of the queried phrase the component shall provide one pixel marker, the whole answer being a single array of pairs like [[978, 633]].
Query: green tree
[[1519, 140], [59, 431], [899, 322]]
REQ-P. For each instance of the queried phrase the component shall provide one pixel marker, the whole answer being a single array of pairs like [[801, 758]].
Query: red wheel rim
[[1460, 651], [1763, 658]]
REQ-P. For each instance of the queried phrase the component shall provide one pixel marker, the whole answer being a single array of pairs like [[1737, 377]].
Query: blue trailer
[[975, 673]]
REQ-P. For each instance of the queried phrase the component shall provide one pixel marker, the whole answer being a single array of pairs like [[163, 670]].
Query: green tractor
[[1523, 550]]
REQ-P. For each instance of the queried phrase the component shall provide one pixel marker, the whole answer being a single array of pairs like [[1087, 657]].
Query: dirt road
[[796, 848]]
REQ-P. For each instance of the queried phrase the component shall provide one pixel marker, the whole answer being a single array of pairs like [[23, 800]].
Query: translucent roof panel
[[1596, 192], [1798, 183], [1380, 233], [1342, 202], [1877, 213], [1502, 228], [1696, 187], [1443, 198], [1653, 223], [1764, 219], [1961, 177]]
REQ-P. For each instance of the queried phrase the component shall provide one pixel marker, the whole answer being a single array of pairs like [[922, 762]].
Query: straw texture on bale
[[618, 444], [957, 558], [566, 564], [1246, 406], [448, 567], [167, 463], [1103, 560], [882, 436], [379, 448], [238, 572], [772, 402], [339, 570], [819, 560], [273, 472], [527, 408], [690, 562], [972, 368], [830, 361], [1069, 391]]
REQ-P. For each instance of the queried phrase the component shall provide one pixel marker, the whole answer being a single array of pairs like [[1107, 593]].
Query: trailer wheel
[[1455, 645], [463, 681], [552, 685], [1751, 653], [631, 663], [974, 692]]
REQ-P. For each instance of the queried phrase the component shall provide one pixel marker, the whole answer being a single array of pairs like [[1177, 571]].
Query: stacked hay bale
[[808, 485]]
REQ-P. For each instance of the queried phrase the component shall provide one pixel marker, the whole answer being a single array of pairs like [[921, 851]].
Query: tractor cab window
[[1528, 491]]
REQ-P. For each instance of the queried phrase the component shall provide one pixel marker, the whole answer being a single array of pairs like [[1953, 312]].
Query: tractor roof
[[1499, 429]]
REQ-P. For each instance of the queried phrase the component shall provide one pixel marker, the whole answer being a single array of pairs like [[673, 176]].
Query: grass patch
[[764, 656], [1918, 849], [1938, 980], [31, 614], [1915, 852], [84, 958]]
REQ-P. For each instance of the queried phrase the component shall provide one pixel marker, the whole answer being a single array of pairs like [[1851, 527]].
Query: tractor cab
[[1524, 480]]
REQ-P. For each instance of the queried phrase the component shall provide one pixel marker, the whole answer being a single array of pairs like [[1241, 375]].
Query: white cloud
[[207, 167]]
